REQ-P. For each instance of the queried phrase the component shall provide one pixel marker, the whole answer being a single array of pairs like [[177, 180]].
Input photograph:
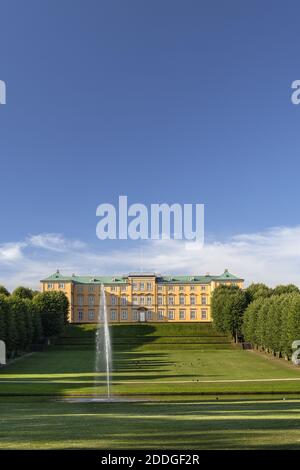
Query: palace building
[[140, 297]]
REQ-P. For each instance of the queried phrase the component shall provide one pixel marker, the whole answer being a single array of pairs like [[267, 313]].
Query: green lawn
[[223, 425], [60, 372], [193, 390]]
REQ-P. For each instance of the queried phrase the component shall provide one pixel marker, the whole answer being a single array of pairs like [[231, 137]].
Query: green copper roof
[[226, 276]]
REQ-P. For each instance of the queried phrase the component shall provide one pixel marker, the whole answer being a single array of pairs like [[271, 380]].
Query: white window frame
[[124, 314], [193, 314], [91, 314], [171, 315], [113, 315], [160, 314], [181, 314], [80, 315]]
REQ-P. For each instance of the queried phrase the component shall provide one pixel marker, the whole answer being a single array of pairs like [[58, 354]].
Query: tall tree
[[18, 310], [255, 291], [23, 292], [53, 308], [287, 289], [4, 291], [228, 306], [249, 328]]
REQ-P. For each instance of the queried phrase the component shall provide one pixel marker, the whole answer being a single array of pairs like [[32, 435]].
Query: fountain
[[103, 360], [103, 346]]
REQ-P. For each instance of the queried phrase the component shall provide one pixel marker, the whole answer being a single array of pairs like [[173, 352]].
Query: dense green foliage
[[273, 323], [228, 306], [255, 291], [4, 291], [24, 292], [26, 319], [53, 308], [267, 318]]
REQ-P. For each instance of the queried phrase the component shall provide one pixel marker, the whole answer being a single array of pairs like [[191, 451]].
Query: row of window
[[135, 286], [148, 300], [149, 315], [61, 285]]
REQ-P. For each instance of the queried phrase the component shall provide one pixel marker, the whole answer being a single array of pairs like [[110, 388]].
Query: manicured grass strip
[[208, 425]]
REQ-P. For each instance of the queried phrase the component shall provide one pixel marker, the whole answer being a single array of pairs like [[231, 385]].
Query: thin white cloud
[[10, 252], [271, 256], [53, 242]]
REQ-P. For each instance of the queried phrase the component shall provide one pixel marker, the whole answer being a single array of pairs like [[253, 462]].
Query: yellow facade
[[140, 297]]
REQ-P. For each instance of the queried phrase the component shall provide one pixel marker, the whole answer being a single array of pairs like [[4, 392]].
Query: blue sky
[[164, 101]]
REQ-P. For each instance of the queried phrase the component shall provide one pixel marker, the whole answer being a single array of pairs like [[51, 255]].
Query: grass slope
[[182, 375], [222, 425], [150, 360]]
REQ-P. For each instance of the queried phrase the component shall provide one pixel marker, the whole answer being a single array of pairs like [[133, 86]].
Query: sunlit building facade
[[140, 297]]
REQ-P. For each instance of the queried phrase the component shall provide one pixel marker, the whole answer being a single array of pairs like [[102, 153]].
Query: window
[[181, 314], [181, 287], [113, 300], [113, 315], [142, 285], [135, 315], [101, 316], [124, 315], [149, 300], [61, 285], [171, 314], [142, 300], [80, 300], [160, 315], [91, 288], [135, 300], [192, 287], [80, 289], [123, 288], [50, 286], [134, 286], [149, 315], [160, 288], [160, 300], [80, 316], [171, 288], [181, 299], [149, 285], [203, 314], [113, 288], [193, 315], [91, 300], [171, 300], [123, 300], [91, 314], [193, 300], [203, 300], [203, 287]]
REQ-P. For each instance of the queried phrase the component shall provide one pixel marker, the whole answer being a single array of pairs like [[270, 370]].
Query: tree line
[[28, 318], [267, 318]]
